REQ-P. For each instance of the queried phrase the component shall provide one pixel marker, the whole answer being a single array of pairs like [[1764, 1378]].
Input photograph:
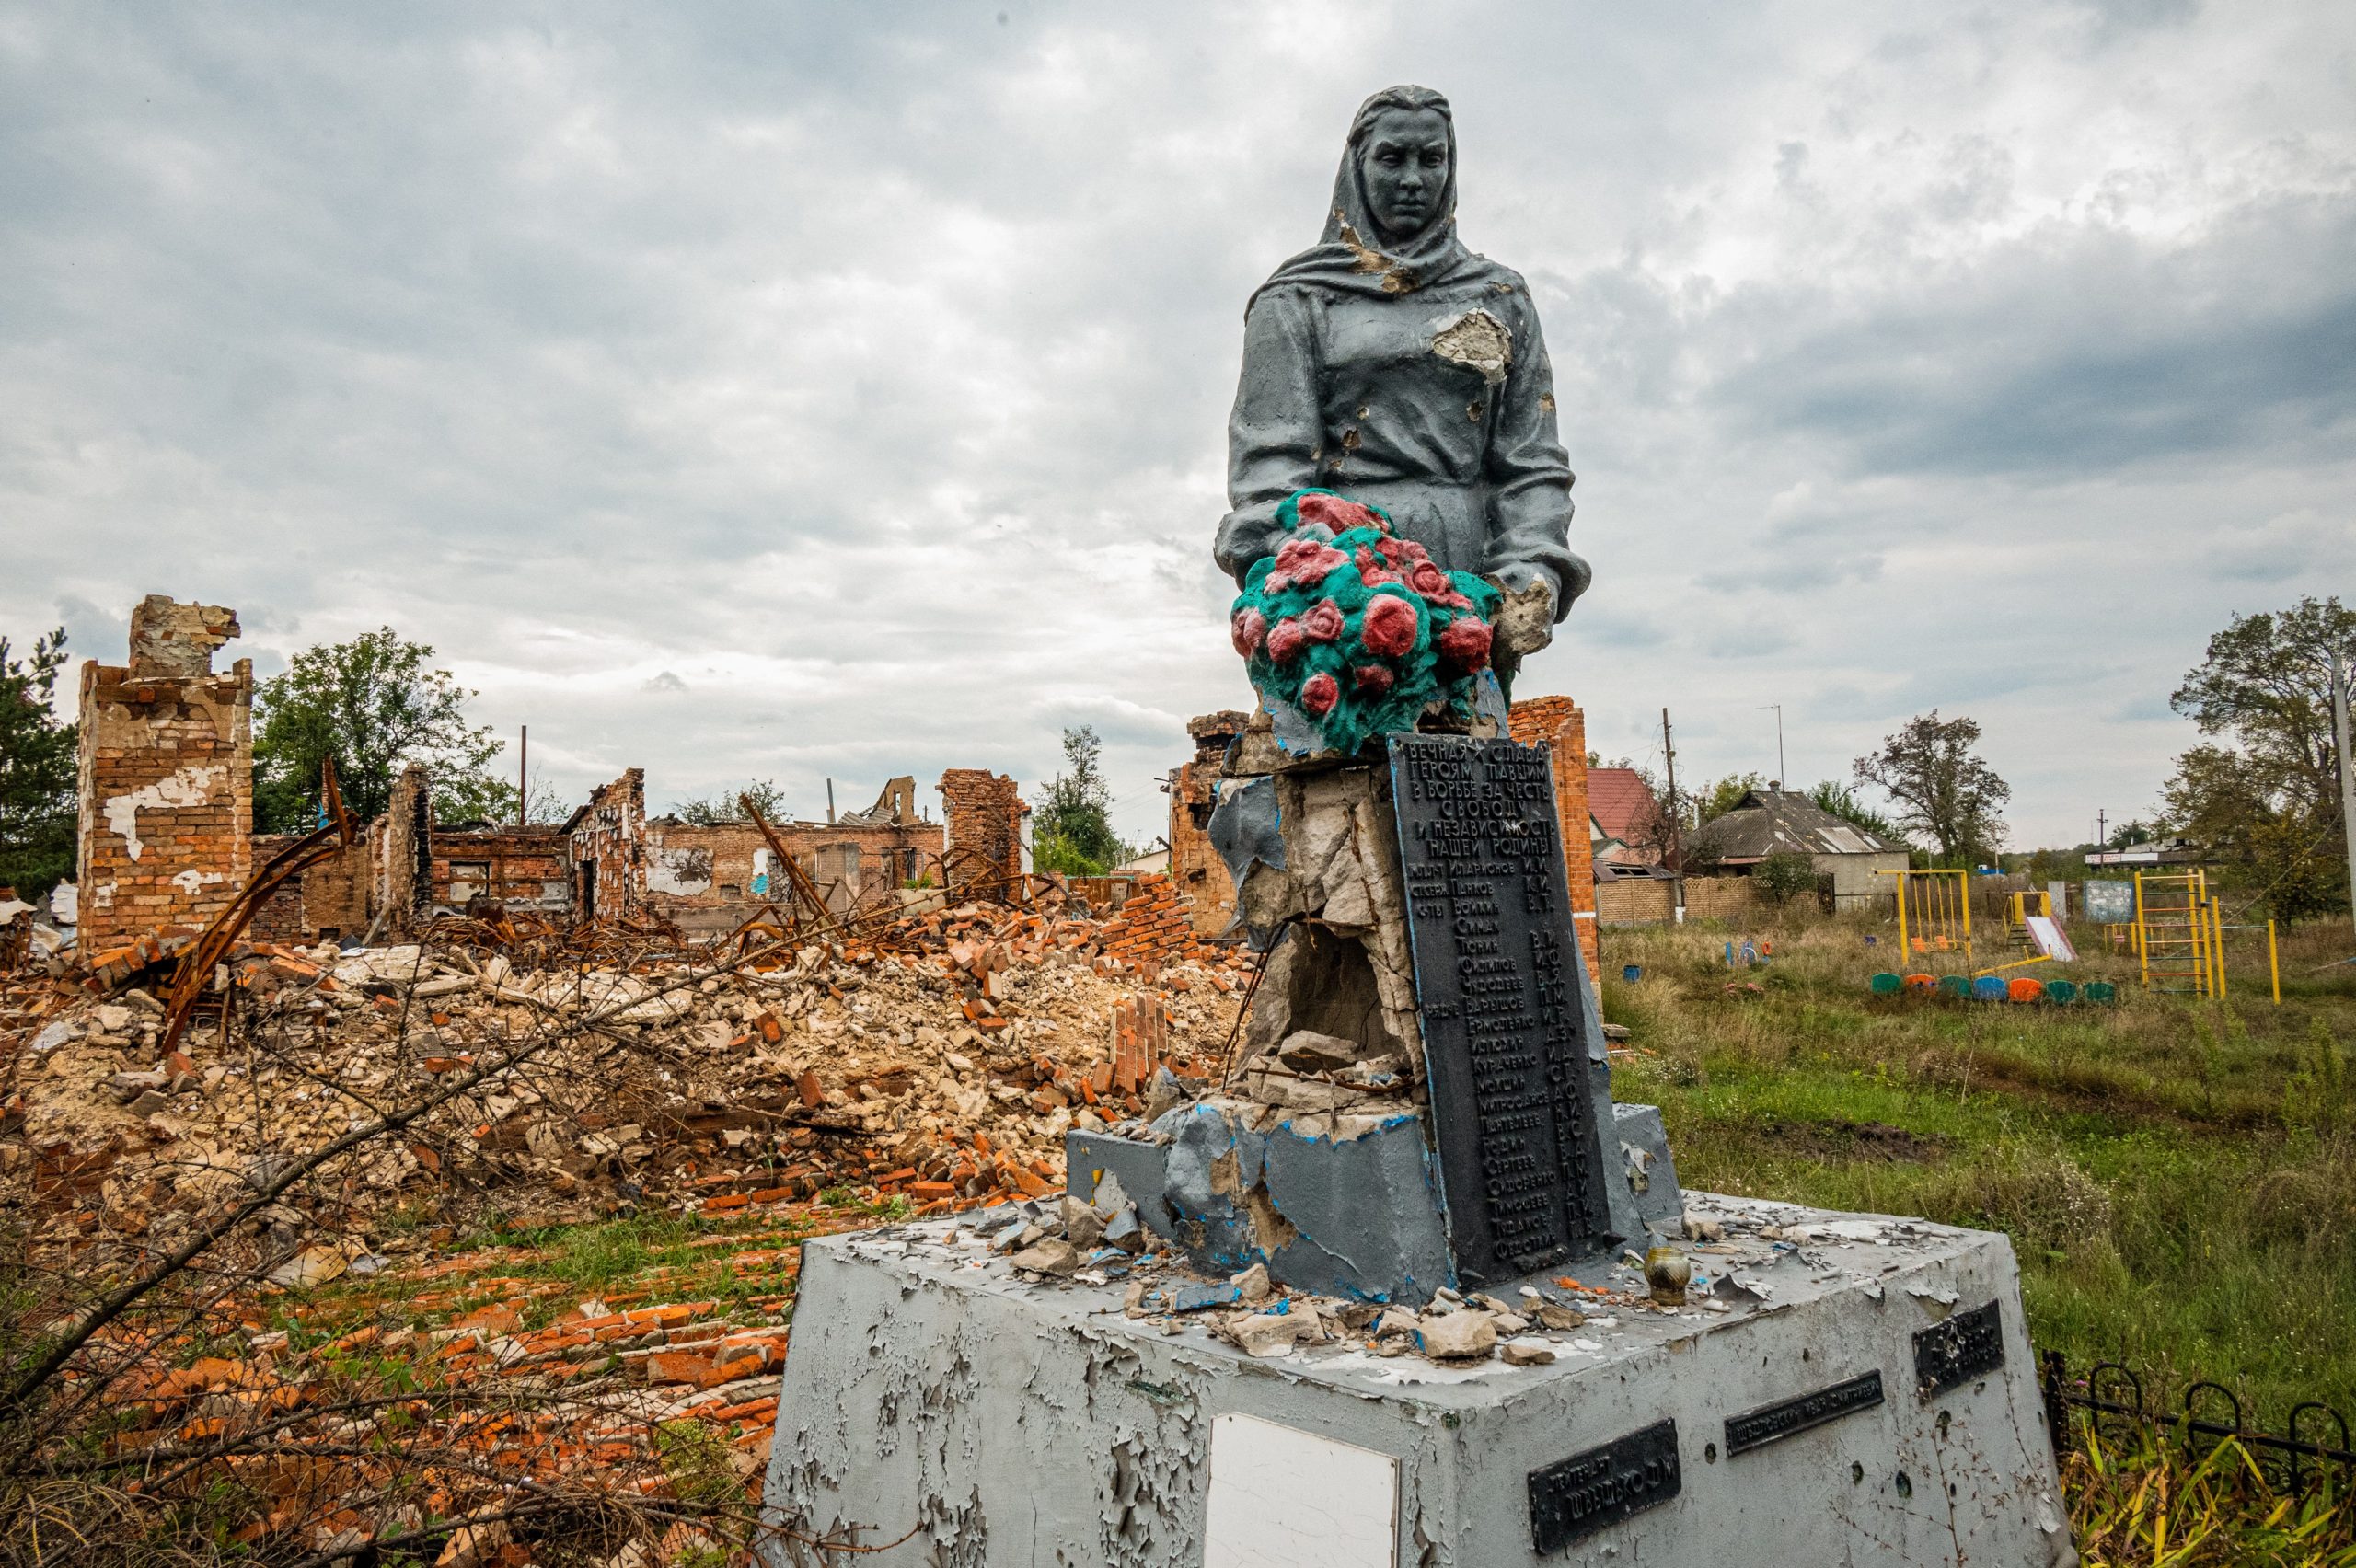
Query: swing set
[[1934, 912]]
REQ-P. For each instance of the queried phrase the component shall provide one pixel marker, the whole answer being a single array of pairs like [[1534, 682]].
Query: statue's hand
[[1525, 621]]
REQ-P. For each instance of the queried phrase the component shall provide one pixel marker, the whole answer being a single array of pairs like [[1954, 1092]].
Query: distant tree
[[2127, 835], [1839, 799], [481, 798], [1072, 832], [1716, 797], [375, 706], [1944, 793], [1783, 876], [37, 770], [2267, 804], [727, 805]]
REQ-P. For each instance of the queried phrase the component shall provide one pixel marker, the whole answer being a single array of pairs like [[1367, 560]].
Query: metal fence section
[[2313, 1443]]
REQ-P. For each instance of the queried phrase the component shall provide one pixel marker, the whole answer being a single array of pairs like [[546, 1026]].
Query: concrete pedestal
[[1852, 1390]]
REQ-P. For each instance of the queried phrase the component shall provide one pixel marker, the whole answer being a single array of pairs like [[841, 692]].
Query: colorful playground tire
[[1887, 985], [2100, 991], [1922, 983], [1988, 988], [2028, 990], [2060, 991], [1954, 985]]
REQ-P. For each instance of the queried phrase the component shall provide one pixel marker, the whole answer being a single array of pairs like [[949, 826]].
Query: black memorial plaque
[[1756, 1428], [1574, 1498], [1505, 1042], [1967, 1345]]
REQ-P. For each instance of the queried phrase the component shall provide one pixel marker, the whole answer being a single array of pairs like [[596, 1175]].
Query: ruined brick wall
[[400, 857], [1195, 866], [166, 832], [714, 878], [516, 867], [608, 844], [982, 830], [1152, 927], [1557, 722], [280, 917]]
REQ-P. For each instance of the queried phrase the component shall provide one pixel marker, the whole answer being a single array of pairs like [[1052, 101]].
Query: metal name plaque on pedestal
[[1489, 919]]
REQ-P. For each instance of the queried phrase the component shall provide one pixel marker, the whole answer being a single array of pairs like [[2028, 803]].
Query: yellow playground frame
[[1942, 911], [2180, 926]]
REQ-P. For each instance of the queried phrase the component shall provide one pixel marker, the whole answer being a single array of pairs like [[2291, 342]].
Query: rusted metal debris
[[196, 964]]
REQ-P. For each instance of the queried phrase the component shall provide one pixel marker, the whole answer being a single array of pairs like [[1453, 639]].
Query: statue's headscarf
[[1353, 257]]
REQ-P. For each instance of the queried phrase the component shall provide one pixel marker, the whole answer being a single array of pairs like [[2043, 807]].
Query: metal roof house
[[1778, 822]]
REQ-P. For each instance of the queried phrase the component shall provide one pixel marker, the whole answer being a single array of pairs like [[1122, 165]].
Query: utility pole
[[2102, 829], [1676, 845], [524, 778], [1782, 778], [2346, 779]]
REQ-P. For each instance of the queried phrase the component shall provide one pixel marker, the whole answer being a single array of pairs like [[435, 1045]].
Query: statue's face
[[1405, 161]]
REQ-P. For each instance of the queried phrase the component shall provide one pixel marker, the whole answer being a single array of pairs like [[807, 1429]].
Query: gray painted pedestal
[[1013, 1422]]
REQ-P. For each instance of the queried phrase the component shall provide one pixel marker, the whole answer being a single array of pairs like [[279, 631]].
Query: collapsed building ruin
[[167, 840]]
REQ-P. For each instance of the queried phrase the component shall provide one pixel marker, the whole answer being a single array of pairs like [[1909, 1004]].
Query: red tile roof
[[1621, 804]]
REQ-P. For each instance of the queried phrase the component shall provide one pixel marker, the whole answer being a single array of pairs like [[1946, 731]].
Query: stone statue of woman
[[1392, 366]]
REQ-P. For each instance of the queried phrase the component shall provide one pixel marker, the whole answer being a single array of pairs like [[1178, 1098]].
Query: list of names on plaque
[[1521, 1159]]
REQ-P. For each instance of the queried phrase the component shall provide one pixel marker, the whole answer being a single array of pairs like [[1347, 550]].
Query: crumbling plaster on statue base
[[1149, 1450], [1073, 1432], [1342, 877], [189, 787]]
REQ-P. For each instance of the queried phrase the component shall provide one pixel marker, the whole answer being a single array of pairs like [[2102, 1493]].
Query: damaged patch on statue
[[1476, 340], [1397, 277]]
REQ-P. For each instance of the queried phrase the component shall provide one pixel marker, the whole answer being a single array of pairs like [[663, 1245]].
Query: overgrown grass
[[2178, 1177]]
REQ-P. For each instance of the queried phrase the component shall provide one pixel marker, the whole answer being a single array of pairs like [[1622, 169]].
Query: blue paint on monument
[[1357, 1218]]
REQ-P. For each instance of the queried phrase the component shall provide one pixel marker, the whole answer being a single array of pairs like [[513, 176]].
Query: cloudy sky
[[813, 390]]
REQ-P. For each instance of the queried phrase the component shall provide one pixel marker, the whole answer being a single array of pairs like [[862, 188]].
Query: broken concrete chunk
[[1699, 1228], [1457, 1336], [1274, 1334], [1307, 1051], [1201, 1298], [1394, 1322], [1052, 1256], [1124, 1231], [1526, 1353], [1252, 1284], [1554, 1315]]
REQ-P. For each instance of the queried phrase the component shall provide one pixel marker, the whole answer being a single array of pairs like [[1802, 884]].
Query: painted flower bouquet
[[1356, 629]]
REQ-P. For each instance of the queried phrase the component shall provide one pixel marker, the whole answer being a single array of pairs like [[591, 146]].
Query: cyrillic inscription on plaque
[[1521, 1157], [1967, 1345]]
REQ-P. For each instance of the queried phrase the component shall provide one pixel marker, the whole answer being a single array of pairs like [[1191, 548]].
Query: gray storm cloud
[[809, 392]]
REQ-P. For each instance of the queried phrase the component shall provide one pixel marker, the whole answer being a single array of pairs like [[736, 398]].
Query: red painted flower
[[1336, 514], [1286, 640], [1302, 561], [1374, 679], [1324, 621], [1319, 693], [1465, 644], [1249, 629], [1373, 569], [1389, 627], [1426, 578]]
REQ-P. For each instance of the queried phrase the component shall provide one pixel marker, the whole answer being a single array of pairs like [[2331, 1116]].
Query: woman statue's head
[[1405, 142]]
